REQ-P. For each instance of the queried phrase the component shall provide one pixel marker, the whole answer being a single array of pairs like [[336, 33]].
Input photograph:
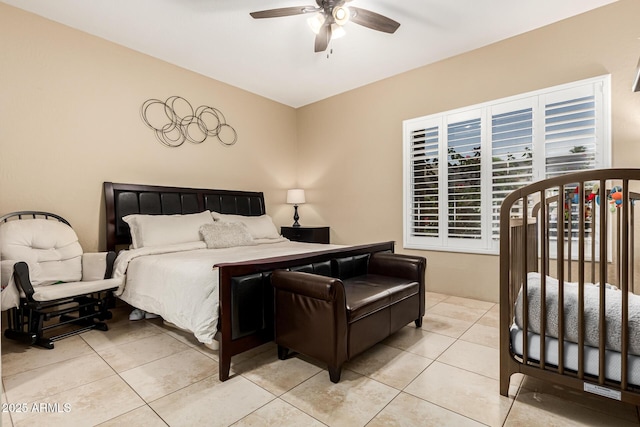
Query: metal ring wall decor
[[174, 121]]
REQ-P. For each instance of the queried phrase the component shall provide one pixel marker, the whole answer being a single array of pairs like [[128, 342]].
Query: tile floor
[[147, 374]]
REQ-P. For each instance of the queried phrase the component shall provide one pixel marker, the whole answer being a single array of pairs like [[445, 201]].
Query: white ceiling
[[275, 58]]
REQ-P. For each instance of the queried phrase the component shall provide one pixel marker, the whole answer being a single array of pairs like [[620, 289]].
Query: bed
[[569, 303], [213, 291]]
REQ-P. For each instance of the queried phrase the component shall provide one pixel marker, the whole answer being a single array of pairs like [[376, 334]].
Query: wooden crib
[[567, 278]]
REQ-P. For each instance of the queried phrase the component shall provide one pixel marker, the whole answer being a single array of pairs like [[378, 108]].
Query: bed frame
[[246, 295], [529, 242]]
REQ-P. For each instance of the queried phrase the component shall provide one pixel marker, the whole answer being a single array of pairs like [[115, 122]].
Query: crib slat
[[594, 212], [525, 288], [543, 283], [619, 245], [603, 280], [544, 242], [632, 243], [581, 243], [581, 231], [569, 237], [624, 281], [560, 262], [547, 243], [544, 234]]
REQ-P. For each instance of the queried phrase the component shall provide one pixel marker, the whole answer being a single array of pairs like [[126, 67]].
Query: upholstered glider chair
[[46, 276]]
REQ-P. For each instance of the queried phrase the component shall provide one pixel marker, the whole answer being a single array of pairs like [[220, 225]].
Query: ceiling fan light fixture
[[327, 18], [337, 31], [340, 15], [316, 22]]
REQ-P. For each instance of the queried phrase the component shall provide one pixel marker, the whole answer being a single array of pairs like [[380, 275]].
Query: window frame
[[488, 244]]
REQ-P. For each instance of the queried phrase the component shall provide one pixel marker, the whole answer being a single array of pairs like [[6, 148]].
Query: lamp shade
[[340, 15], [316, 22], [295, 196]]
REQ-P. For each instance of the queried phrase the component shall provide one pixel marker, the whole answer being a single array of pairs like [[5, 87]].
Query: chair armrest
[[398, 265], [6, 271], [10, 292], [22, 280], [97, 265], [308, 285]]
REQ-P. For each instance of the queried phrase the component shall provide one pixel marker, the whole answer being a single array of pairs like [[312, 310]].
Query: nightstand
[[306, 234]]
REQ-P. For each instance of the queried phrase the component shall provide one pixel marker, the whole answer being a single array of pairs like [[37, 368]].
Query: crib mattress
[[613, 312], [613, 359]]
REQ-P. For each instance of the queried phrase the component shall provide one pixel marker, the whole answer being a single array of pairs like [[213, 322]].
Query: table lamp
[[295, 197]]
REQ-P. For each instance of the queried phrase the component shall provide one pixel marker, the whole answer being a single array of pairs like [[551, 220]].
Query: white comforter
[[179, 282], [613, 313]]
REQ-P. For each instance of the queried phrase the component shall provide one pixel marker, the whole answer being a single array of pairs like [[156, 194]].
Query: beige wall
[[69, 105], [70, 120], [350, 146]]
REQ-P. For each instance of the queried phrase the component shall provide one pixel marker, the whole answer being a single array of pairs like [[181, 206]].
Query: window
[[459, 165]]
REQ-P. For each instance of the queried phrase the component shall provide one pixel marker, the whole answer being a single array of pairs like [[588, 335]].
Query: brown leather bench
[[333, 319]]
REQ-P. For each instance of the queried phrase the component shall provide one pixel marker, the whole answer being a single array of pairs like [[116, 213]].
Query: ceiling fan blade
[[284, 11], [373, 20], [323, 38]]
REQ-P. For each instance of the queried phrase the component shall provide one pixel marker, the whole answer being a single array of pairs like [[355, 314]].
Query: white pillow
[[260, 227], [160, 230], [226, 235]]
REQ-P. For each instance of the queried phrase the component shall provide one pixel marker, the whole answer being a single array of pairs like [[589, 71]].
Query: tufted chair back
[[50, 249]]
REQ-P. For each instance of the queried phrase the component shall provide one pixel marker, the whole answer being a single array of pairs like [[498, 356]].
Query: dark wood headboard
[[126, 199]]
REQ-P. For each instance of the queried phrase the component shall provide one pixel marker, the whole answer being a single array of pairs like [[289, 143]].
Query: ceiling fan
[[330, 16]]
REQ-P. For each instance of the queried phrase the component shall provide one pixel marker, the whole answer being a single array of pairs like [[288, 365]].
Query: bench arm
[[309, 305], [398, 265], [403, 266]]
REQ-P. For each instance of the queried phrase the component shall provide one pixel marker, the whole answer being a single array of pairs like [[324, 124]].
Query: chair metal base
[[26, 323]]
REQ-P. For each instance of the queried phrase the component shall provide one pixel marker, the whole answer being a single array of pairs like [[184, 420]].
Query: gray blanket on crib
[[613, 313]]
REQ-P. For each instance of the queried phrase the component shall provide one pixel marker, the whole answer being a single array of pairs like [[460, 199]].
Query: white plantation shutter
[[570, 134], [511, 154], [425, 200], [461, 164], [464, 193]]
